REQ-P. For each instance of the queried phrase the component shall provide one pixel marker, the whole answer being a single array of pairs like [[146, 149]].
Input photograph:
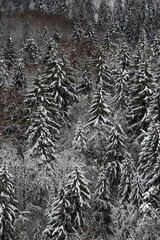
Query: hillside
[[79, 120]]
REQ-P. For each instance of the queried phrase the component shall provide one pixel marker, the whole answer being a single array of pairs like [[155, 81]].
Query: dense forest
[[79, 120]]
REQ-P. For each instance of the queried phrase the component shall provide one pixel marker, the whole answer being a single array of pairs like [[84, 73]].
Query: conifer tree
[[19, 79], [79, 197], [8, 204], [115, 153], [140, 97], [3, 72], [103, 73], [127, 170], [102, 206], [99, 110], [31, 51], [121, 78], [58, 78], [79, 141], [59, 225], [9, 53], [85, 86], [136, 195], [77, 34], [119, 14], [43, 128], [51, 49], [149, 158], [104, 14]]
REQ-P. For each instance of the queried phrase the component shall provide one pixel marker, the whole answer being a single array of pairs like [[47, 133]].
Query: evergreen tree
[[103, 73], [121, 78], [19, 79], [85, 86], [99, 110], [149, 158], [51, 49], [31, 51], [9, 53], [43, 128], [90, 38], [77, 33], [119, 14], [102, 206], [136, 195], [125, 184], [79, 197], [59, 225], [58, 77], [140, 97], [115, 153], [104, 14], [79, 141], [8, 203], [3, 72]]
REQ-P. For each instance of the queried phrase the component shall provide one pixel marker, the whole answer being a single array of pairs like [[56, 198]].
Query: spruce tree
[[104, 14], [136, 195], [102, 206], [127, 171], [140, 98], [58, 78], [3, 72], [19, 79], [149, 159], [79, 141], [59, 220], [100, 111], [43, 128], [31, 52], [121, 77], [85, 85], [9, 53], [103, 73], [79, 197], [115, 153], [8, 204]]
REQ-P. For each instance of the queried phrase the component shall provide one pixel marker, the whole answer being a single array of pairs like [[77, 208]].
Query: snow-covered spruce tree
[[58, 78], [3, 72], [121, 77], [9, 53], [104, 14], [149, 160], [103, 74], [43, 127], [136, 195], [115, 153], [77, 34], [51, 49], [19, 79], [59, 218], [8, 204], [139, 99], [127, 171], [80, 140], [30, 51], [120, 90], [85, 85], [102, 207], [89, 10], [90, 39], [156, 45], [119, 14], [100, 111], [78, 194]]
